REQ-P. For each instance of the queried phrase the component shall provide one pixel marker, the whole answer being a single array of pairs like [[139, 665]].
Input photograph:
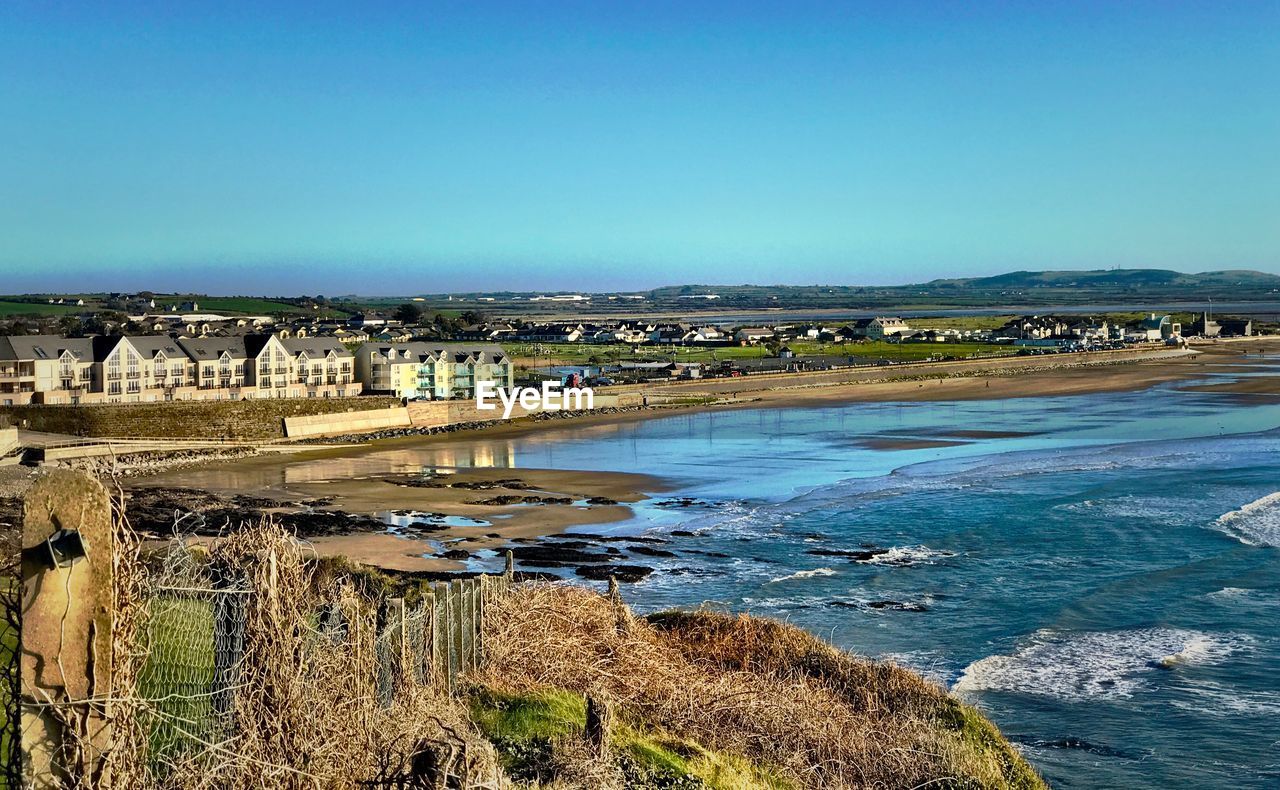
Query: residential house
[[432, 371], [1154, 328], [36, 367], [753, 334]]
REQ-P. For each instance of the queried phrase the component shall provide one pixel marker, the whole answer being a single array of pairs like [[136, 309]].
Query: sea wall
[[241, 419], [439, 413], [346, 422]]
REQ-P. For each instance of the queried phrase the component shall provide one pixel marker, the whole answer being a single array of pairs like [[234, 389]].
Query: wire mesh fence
[[202, 618]]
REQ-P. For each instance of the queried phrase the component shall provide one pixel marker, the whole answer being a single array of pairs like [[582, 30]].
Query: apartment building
[[431, 371], [49, 369]]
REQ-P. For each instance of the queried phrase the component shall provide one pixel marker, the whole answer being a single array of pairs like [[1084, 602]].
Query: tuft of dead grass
[[768, 692], [307, 712]]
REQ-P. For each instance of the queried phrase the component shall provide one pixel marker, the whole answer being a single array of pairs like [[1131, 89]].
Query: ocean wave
[[1214, 699], [900, 556], [1245, 595], [1254, 524], [1095, 664], [809, 574]]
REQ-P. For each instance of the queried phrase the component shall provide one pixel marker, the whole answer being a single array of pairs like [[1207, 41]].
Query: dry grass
[[766, 691], [306, 712]]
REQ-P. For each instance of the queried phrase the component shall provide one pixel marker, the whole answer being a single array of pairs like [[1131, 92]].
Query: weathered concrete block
[[66, 626]]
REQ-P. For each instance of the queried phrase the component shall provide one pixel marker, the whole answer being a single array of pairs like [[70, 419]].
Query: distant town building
[[51, 369], [1204, 326], [432, 371]]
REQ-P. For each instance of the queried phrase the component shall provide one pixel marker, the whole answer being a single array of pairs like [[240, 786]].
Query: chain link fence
[[193, 641], [200, 612]]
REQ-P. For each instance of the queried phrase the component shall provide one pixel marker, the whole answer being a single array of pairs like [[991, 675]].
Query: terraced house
[[55, 370], [431, 371]]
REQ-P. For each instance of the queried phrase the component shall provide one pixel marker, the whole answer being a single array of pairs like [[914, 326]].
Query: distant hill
[[1111, 279], [1022, 288]]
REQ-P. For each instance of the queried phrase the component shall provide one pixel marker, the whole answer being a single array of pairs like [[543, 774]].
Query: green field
[[898, 352], [11, 308], [583, 353]]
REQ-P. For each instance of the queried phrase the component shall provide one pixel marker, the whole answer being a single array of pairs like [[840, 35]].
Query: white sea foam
[[1254, 524], [809, 574], [1095, 664], [908, 555], [1214, 699]]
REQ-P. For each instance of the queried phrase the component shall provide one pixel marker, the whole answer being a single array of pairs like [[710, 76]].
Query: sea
[[1099, 573]]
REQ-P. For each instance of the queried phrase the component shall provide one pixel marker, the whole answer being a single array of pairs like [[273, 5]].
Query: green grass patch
[[983, 752], [899, 352], [526, 727], [248, 305], [12, 308]]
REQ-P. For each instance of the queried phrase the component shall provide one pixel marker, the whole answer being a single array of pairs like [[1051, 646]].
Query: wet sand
[[376, 481]]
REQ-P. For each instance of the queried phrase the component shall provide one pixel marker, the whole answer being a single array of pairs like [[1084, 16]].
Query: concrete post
[[67, 546]]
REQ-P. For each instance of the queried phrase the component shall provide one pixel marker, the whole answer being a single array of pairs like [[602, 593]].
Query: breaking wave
[[1254, 524], [1095, 664], [809, 574], [908, 555]]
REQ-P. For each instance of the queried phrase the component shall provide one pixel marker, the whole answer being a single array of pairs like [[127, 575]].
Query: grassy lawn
[[582, 353], [9, 307], [961, 322], [898, 352], [585, 353]]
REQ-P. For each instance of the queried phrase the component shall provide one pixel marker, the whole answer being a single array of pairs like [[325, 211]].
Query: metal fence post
[[228, 649], [450, 659]]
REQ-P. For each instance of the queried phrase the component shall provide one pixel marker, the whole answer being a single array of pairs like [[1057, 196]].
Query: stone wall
[[241, 419]]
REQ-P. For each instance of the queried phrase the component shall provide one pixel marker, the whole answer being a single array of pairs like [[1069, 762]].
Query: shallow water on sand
[[1100, 573]]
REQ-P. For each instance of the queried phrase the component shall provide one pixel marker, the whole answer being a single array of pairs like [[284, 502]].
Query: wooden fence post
[[446, 631], [456, 621]]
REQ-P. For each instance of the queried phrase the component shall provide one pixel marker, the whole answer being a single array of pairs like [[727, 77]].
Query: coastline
[[365, 479]]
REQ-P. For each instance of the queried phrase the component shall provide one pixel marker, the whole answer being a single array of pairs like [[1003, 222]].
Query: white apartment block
[[55, 370]]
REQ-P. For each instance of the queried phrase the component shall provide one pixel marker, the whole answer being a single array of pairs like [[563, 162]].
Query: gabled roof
[[148, 345], [208, 349], [33, 347], [315, 346]]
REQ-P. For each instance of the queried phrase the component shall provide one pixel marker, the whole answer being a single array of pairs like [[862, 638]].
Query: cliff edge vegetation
[[577, 693]]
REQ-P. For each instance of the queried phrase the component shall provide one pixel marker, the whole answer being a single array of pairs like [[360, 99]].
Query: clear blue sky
[[428, 146]]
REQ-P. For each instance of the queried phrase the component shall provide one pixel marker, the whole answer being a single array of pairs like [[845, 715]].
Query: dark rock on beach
[[623, 573], [857, 555], [557, 553], [681, 502], [649, 551], [523, 499]]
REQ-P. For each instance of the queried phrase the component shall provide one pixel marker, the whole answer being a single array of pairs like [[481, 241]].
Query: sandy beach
[[478, 500]]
